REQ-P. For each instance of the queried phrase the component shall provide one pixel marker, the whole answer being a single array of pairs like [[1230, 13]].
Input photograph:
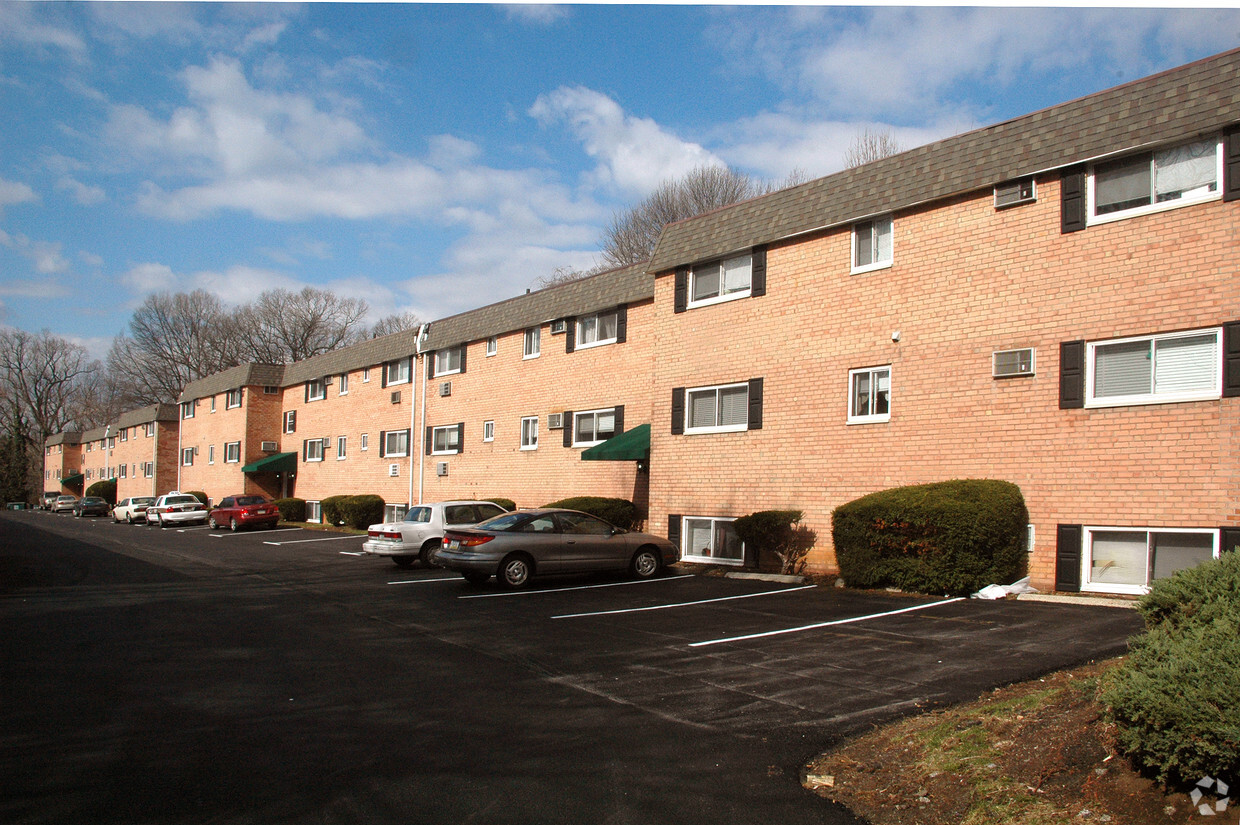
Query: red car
[[236, 512]]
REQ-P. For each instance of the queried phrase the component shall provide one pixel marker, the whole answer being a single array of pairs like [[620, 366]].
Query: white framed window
[[150, 430], [314, 512], [313, 450], [593, 427], [596, 330], [1127, 559], [365, 442], [712, 540], [342, 448], [271, 389], [290, 421], [869, 395], [720, 409], [718, 281], [316, 390], [344, 384], [871, 245], [488, 430], [397, 372], [232, 452], [213, 403], [1155, 181], [1154, 369], [187, 457], [188, 408], [148, 469], [445, 440], [395, 444], [529, 433], [125, 434], [533, 343], [492, 346], [122, 471], [366, 375], [232, 399], [448, 361], [210, 453]]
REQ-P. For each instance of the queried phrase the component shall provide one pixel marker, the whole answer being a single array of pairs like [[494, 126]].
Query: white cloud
[[82, 194], [12, 192], [635, 154], [24, 23], [45, 255], [537, 13]]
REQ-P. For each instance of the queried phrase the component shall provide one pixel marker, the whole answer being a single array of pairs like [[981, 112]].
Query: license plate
[[453, 544], [260, 512]]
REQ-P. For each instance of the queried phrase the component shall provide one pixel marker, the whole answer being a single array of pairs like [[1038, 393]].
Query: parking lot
[[585, 698]]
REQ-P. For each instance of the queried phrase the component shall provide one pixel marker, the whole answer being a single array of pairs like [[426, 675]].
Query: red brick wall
[[59, 461], [966, 280], [255, 421]]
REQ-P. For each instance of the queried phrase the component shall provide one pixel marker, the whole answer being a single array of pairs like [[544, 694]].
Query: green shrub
[[778, 533], [506, 503], [291, 509], [359, 512], [951, 537], [1174, 699], [198, 494], [331, 509], [105, 489], [617, 511]]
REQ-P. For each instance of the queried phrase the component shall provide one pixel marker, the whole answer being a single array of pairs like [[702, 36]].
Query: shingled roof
[[608, 289], [68, 437], [145, 415], [364, 354], [1196, 99], [245, 375]]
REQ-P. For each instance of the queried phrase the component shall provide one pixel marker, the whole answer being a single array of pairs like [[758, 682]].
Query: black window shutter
[[430, 366], [1072, 200], [1068, 558], [384, 375], [464, 349], [383, 444], [757, 282], [619, 419], [681, 297], [673, 528], [1071, 375], [622, 323], [570, 334], [678, 411], [1231, 164], [567, 421], [429, 442], [460, 437], [755, 403], [1231, 360], [1229, 539], [307, 392]]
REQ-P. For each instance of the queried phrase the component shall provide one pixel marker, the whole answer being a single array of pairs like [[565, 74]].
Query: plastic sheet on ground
[[1002, 591]]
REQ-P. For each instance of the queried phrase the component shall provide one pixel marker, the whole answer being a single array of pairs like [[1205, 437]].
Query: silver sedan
[[516, 546]]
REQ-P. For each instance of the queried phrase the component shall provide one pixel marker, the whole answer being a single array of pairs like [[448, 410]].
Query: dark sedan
[[235, 512], [91, 506], [516, 546]]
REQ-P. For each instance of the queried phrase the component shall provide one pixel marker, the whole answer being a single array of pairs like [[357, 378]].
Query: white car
[[132, 509], [420, 532], [176, 508]]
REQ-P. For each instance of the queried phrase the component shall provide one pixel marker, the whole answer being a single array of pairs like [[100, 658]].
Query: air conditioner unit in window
[[558, 327], [1014, 192], [445, 389], [441, 469], [555, 421], [269, 446], [1012, 363], [396, 397], [393, 470]]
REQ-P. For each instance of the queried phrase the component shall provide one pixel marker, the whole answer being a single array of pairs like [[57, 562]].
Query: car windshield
[[507, 521], [244, 500], [92, 500], [418, 515]]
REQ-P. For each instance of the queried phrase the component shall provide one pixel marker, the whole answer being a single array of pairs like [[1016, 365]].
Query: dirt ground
[[1032, 753]]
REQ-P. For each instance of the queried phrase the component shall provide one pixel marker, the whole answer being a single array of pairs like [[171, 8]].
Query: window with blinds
[[717, 409], [1155, 369]]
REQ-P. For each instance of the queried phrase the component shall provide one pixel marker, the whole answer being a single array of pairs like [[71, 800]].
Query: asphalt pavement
[[187, 675]]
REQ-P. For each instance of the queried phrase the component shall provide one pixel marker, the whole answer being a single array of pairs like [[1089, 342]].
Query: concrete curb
[[767, 577], [1096, 601]]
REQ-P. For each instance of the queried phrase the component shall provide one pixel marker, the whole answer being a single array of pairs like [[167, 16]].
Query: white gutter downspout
[[423, 334]]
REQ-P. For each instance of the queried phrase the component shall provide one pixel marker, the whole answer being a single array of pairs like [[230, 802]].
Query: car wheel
[[428, 549], [160, 523], [515, 571], [233, 525], [404, 561], [645, 564], [476, 578], [77, 513], [215, 525]]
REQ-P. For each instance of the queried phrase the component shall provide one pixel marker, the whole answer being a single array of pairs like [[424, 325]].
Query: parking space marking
[[242, 532], [199, 527], [564, 589], [307, 541], [353, 552], [821, 624], [685, 604], [424, 581]]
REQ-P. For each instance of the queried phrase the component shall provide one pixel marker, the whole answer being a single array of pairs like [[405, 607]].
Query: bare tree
[[284, 326], [870, 145], [395, 323], [43, 378]]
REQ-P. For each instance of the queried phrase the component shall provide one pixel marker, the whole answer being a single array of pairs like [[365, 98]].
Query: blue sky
[[436, 158]]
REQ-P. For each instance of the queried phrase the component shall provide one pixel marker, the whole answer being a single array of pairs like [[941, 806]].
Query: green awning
[[76, 478], [278, 463], [633, 445]]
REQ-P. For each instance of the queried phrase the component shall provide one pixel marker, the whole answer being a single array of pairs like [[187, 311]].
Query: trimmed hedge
[[331, 509], [1174, 699], [778, 533], [618, 511], [951, 537], [291, 509], [105, 489], [359, 512], [198, 494], [507, 503]]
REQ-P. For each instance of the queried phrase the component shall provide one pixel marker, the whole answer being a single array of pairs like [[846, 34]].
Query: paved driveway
[[278, 677]]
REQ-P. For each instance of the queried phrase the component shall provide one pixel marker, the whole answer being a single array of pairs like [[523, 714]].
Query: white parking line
[[243, 532], [307, 541], [685, 604], [564, 589], [424, 581], [821, 624], [353, 553], [198, 527]]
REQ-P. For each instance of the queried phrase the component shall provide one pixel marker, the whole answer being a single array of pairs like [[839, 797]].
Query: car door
[[590, 543], [540, 537]]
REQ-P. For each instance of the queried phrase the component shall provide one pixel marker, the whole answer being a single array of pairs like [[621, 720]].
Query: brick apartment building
[[1052, 301], [139, 450], [62, 464]]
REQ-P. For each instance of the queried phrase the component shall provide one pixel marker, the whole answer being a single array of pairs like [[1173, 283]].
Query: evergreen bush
[[359, 512], [617, 511], [331, 509], [506, 503], [778, 533], [198, 494], [291, 509], [951, 537], [105, 489]]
